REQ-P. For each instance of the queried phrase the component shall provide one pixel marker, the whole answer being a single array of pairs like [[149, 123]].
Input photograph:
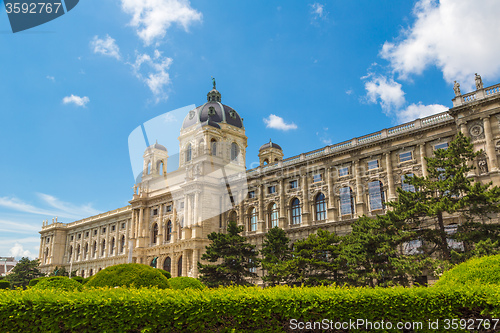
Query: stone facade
[[171, 214]]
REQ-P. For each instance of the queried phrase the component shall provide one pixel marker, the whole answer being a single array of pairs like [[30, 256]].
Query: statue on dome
[[479, 82], [456, 88], [213, 81]]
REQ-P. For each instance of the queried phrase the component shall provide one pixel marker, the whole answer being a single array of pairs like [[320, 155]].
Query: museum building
[[171, 213]]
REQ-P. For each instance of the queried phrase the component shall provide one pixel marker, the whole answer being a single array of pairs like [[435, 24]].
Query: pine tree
[[315, 260], [446, 191], [275, 251], [24, 271], [237, 259]]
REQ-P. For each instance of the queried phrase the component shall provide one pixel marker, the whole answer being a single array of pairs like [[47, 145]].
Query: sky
[[305, 74]]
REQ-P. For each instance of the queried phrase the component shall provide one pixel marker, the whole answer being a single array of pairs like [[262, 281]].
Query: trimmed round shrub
[[35, 281], [59, 283], [4, 284], [165, 273], [184, 282], [483, 270], [129, 275]]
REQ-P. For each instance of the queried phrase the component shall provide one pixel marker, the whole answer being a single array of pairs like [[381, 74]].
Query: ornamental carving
[[482, 164], [476, 130]]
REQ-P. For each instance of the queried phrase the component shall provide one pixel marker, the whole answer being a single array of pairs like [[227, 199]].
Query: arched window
[[149, 168], [78, 252], [155, 234], [376, 195], [235, 151], [213, 147], [70, 253], [122, 244], [179, 266], [233, 217], [46, 255], [86, 251], [253, 220], [160, 167], [103, 247], [320, 207], [83, 273], [94, 249], [91, 272], [296, 211], [266, 161], [273, 216], [188, 152], [167, 264], [169, 231], [346, 201], [112, 247]]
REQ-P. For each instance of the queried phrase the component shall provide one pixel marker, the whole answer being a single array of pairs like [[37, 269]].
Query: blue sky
[[305, 74]]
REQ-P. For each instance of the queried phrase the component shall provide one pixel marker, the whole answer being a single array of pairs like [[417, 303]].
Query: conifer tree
[[275, 251], [24, 271], [234, 259]]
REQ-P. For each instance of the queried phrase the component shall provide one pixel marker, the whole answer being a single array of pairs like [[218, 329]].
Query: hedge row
[[238, 309]]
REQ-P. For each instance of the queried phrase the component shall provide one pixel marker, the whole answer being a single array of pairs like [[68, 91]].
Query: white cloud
[[77, 100], [386, 91], [456, 36], [18, 227], [277, 122], [62, 209], [419, 110], [18, 251], [153, 72], [106, 46], [318, 10], [152, 18], [51, 78]]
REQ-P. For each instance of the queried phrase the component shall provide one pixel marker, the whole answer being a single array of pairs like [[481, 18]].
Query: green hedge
[[129, 275], [35, 281], [59, 283], [4, 284], [165, 273], [239, 309], [483, 270], [184, 282]]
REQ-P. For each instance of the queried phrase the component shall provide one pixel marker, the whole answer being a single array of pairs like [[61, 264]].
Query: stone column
[[195, 208], [260, 222], [422, 160], [174, 236], [390, 178], [306, 218], [332, 211], [463, 128], [241, 220], [161, 227], [360, 205], [140, 232], [282, 217], [490, 148], [184, 263], [195, 262], [173, 266]]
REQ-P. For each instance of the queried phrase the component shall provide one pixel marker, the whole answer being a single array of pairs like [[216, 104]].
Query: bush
[[4, 284], [35, 281], [484, 270], [238, 309], [129, 275], [59, 283], [184, 282], [77, 279], [165, 273]]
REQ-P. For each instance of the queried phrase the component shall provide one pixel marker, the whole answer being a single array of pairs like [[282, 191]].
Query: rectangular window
[[372, 164], [155, 212], [113, 228], [452, 243], [406, 156], [123, 225], [169, 208], [294, 184], [86, 234], [251, 194], [441, 146], [271, 189], [95, 232], [71, 237], [405, 186], [47, 240], [79, 236], [317, 178], [412, 247], [104, 230], [343, 171]]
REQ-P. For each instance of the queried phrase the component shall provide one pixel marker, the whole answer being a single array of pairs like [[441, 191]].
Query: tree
[[315, 260], [61, 271], [23, 272], [371, 253], [275, 251], [237, 259], [446, 191]]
